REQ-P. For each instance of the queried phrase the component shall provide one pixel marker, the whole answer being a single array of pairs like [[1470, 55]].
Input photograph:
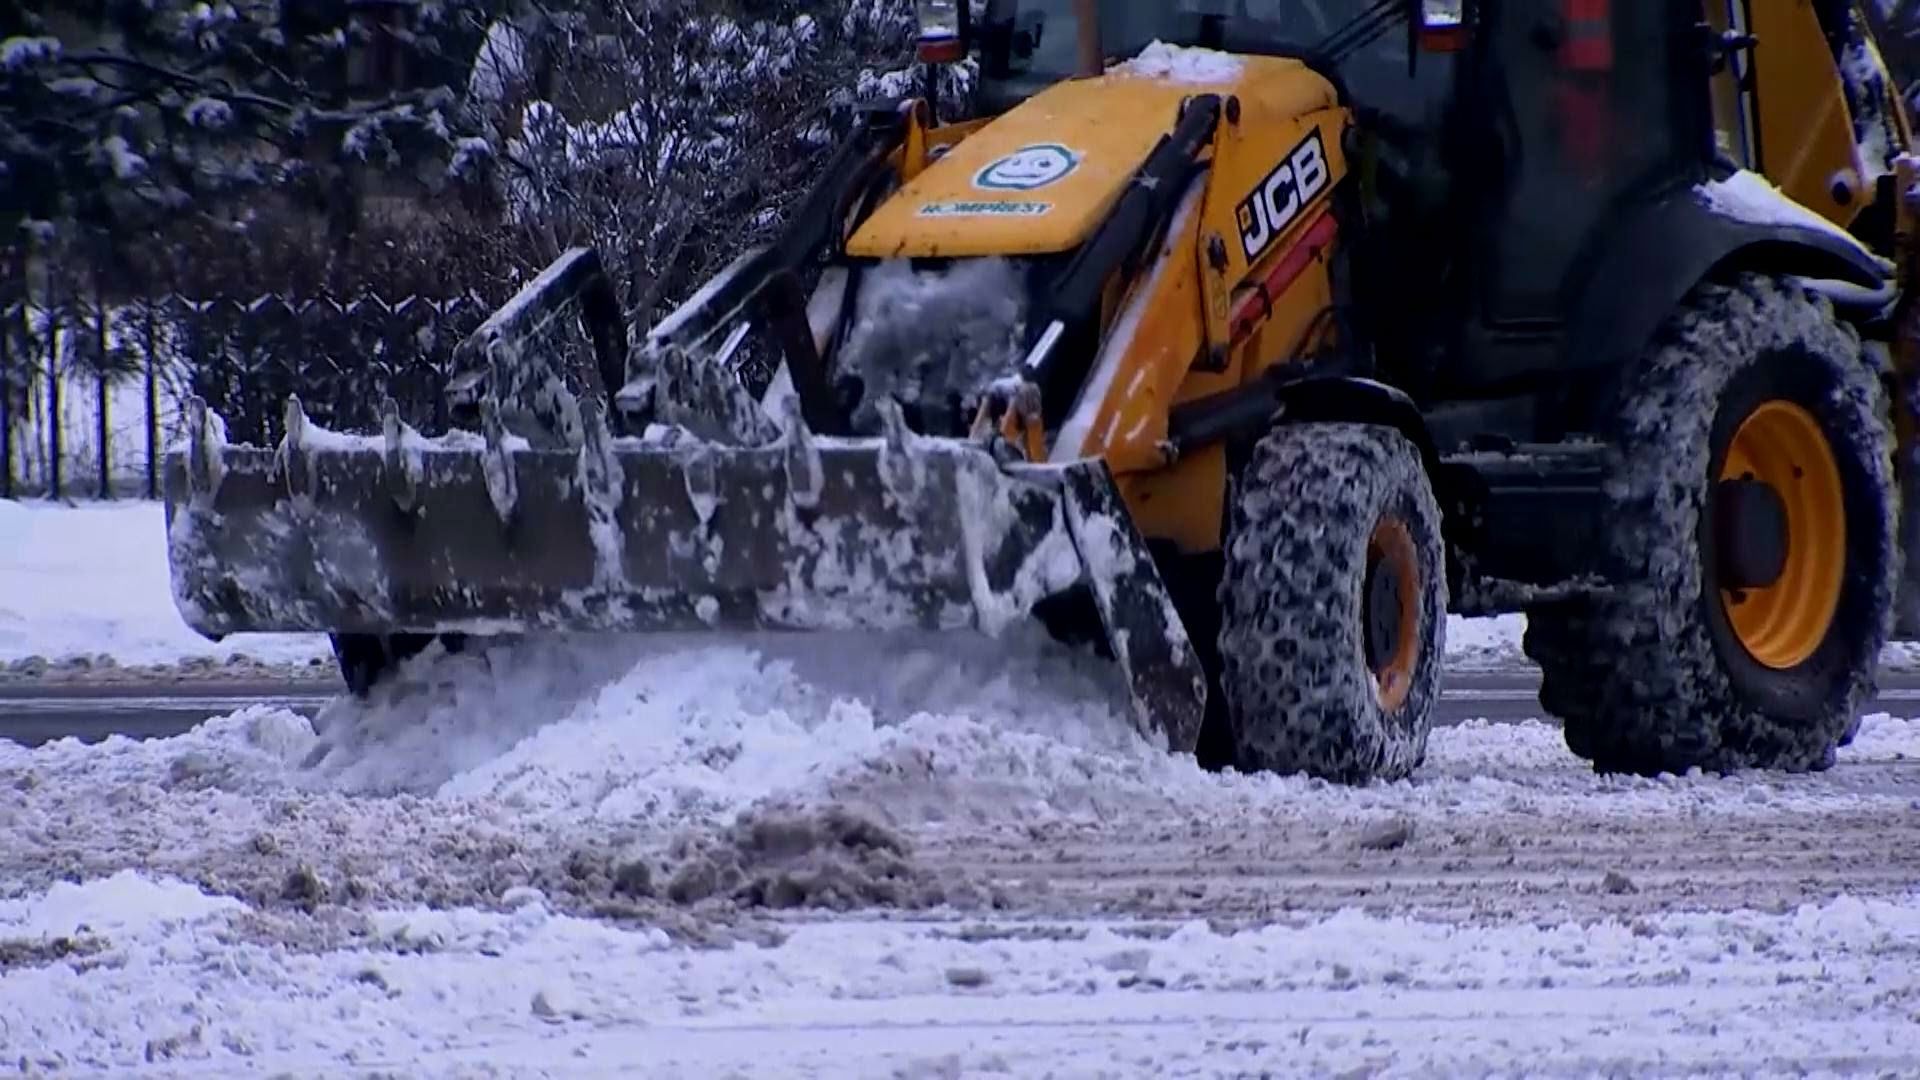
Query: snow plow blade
[[486, 534]]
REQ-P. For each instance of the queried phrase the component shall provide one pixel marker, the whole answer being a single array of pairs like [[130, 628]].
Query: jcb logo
[[1287, 190]]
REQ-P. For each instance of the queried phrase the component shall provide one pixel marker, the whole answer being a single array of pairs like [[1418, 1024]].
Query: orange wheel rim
[[1782, 624], [1390, 551]]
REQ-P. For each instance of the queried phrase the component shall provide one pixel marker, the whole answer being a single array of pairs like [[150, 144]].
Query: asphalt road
[[36, 714], [33, 715]]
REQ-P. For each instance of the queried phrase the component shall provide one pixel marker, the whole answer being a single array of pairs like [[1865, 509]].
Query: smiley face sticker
[[1028, 168]]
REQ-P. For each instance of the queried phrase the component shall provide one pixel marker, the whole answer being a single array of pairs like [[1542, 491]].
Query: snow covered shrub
[[672, 134]]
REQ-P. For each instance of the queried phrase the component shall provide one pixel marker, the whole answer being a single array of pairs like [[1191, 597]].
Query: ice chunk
[[127, 903]]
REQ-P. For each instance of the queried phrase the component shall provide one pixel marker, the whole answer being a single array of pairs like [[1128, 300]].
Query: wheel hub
[[1750, 534], [1779, 534], [1383, 612], [1391, 594]]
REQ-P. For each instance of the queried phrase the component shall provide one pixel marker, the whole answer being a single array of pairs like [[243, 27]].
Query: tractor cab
[[1515, 165], [1025, 46]]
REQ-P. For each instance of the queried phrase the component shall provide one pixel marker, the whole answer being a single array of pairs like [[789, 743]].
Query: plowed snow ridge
[[663, 734], [669, 732]]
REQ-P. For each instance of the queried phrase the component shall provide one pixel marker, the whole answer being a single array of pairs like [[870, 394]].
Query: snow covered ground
[[850, 856], [181, 982], [84, 588]]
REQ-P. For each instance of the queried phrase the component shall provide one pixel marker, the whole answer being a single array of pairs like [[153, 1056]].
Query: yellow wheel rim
[[1781, 445]]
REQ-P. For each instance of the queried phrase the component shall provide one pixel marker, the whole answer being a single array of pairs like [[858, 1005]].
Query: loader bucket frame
[[486, 534]]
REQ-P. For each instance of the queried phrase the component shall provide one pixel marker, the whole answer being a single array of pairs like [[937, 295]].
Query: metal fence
[[90, 394]]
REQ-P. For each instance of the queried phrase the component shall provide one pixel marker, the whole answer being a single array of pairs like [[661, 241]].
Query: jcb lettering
[[1292, 185], [1310, 167], [1280, 202]]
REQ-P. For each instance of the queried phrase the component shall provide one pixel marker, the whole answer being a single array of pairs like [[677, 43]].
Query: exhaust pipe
[[1093, 53]]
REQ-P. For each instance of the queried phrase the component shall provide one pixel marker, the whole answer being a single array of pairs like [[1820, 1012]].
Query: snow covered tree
[[217, 148], [117, 115], [671, 134], [1896, 27]]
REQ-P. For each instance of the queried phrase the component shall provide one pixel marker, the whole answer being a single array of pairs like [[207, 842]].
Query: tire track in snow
[[1494, 870]]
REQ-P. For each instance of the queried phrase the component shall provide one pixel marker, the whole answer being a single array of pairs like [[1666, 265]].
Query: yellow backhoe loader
[[1245, 340]]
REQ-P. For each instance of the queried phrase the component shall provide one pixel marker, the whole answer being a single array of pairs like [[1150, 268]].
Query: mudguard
[[1648, 261], [1664, 250]]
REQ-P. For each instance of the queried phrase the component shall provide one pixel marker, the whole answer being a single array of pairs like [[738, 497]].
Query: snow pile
[[689, 786], [439, 992], [124, 905], [916, 731], [249, 751], [91, 581], [101, 921], [831, 859], [1486, 644], [669, 730], [933, 335], [1183, 64], [655, 779], [1900, 656]]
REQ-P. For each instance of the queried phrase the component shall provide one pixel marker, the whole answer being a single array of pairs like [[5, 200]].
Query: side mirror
[[1442, 25], [943, 31]]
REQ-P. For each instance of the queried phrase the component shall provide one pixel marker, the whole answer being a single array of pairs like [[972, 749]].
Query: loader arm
[[765, 281], [504, 358], [1116, 249]]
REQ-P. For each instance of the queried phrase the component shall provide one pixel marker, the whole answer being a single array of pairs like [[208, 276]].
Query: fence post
[[103, 388], [153, 407], [53, 390], [6, 405]]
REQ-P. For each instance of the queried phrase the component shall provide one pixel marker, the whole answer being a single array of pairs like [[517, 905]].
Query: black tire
[[1300, 690], [367, 659], [1652, 678]]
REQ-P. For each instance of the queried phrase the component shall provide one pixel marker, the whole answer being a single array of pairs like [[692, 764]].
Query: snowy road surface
[[32, 713], [858, 857]]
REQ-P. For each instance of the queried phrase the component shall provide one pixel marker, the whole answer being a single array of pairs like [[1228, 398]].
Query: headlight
[[940, 37]]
